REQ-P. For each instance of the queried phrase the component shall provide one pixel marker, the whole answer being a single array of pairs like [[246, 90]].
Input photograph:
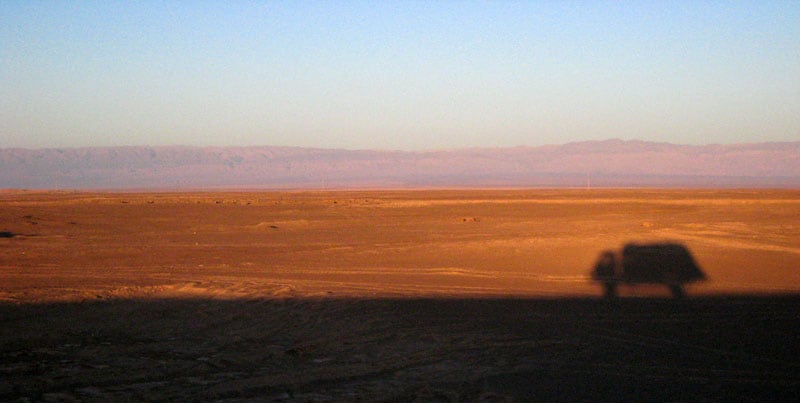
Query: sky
[[406, 75]]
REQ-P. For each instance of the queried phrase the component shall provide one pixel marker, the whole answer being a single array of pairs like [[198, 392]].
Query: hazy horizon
[[603, 164], [426, 150], [405, 76]]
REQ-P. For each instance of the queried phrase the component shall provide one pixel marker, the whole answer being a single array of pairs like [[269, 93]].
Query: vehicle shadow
[[669, 263], [396, 349]]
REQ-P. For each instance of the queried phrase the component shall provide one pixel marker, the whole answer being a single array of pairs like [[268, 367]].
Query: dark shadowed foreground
[[714, 347]]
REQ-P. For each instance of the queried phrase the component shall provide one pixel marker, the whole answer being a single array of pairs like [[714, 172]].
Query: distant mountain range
[[608, 163]]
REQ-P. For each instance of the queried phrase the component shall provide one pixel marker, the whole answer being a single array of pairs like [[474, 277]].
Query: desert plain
[[393, 295]]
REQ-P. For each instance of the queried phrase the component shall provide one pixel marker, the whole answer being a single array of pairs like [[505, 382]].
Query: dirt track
[[451, 295]]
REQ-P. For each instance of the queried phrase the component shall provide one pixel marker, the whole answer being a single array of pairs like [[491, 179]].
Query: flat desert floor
[[451, 295]]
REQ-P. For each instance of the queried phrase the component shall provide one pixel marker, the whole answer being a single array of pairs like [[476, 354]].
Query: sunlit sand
[[387, 243]]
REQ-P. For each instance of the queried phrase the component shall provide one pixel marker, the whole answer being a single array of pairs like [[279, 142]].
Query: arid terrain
[[453, 295]]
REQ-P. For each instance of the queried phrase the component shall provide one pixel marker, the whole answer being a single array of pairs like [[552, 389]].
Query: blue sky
[[397, 75]]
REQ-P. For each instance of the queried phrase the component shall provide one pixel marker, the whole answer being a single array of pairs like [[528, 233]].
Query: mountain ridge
[[603, 163]]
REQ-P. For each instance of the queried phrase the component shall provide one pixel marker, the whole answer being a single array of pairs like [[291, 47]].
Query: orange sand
[[72, 245]]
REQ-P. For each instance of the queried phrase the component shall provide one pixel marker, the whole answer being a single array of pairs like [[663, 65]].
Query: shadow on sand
[[669, 264], [707, 348]]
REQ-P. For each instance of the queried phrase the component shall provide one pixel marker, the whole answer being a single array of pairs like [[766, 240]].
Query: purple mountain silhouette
[[592, 163]]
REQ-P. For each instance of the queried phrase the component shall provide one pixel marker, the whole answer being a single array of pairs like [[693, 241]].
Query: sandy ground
[[392, 295]]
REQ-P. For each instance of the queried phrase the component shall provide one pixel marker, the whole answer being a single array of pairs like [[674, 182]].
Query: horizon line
[[520, 146]]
